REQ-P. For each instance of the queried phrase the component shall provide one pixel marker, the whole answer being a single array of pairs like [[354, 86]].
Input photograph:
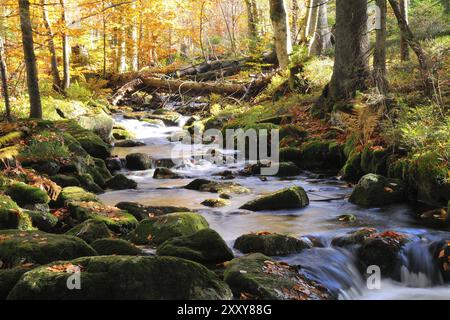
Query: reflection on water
[[335, 268]]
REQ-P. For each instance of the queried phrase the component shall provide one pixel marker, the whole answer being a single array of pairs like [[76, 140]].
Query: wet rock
[[122, 134], [138, 161], [114, 164], [165, 163], [49, 168], [353, 238], [88, 183], [352, 170], [382, 249], [347, 218], [11, 216], [101, 124], [215, 203], [293, 131], [63, 180], [116, 220], [90, 230], [165, 173], [75, 194], [141, 212], [158, 123], [289, 198], [9, 278], [156, 230], [205, 246], [19, 247], [376, 190], [92, 143], [119, 247], [24, 194], [205, 185], [436, 218], [270, 244], [443, 260], [226, 175], [128, 144], [288, 169], [258, 277], [44, 221], [123, 277], [121, 182]]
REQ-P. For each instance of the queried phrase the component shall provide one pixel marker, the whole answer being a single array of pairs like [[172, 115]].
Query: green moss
[[18, 247], [352, 170], [122, 134], [321, 155], [216, 186], [65, 180], [116, 220], [289, 198], [121, 182], [215, 203], [270, 244], [25, 194], [290, 154], [374, 161], [124, 277], [71, 194], [11, 216], [294, 131], [119, 247], [44, 221], [288, 169], [156, 230], [90, 230], [9, 278], [264, 279], [205, 246], [141, 212], [376, 190], [88, 183]]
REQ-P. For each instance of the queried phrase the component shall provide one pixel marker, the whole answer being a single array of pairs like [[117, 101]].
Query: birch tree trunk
[[135, 40], [283, 45], [311, 22], [404, 48], [379, 56], [66, 49], [321, 40], [4, 77], [30, 60]]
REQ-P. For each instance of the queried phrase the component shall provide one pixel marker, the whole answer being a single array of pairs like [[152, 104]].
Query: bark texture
[[283, 45]]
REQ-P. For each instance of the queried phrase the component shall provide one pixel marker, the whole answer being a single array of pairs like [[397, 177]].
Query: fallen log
[[127, 89]]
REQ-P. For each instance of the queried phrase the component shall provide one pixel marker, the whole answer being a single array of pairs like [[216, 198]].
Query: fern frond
[[8, 153], [9, 138]]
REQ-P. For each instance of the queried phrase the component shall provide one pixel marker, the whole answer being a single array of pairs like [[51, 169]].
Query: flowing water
[[335, 268]]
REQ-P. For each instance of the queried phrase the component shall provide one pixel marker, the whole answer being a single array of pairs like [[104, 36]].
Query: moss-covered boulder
[[44, 221], [156, 230], [205, 185], [376, 190], [215, 203], [270, 244], [128, 144], [100, 123], [76, 194], [141, 212], [24, 194], [288, 169], [90, 230], [205, 246], [353, 238], [122, 277], [121, 182], [289, 198], [65, 180], [116, 220], [88, 183], [19, 247], [290, 154], [11, 216], [352, 170], [91, 142], [122, 134], [9, 278], [138, 161], [256, 276], [328, 155], [374, 160], [119, 247], [442, 258]]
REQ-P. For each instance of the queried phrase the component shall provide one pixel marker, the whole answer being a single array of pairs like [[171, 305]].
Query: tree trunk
[[295, 21], [351, 65], [283, 45], [51, 49], [135, 39], [311, 22], [30, 60], [322, 37], [379, 56], [404, 49], [66, 49], [424, 60], [4, 76]]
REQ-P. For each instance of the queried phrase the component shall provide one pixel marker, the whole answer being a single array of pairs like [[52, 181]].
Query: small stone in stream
[[289, 198], [122, 277], [119, 247], [353, 238], [288, 169], [257, 276], [215, 203], [90, 230], [129, 144], [165, 173], [382, 249], [216, 187], [121, 182], [24, 194], [19, 247], [165, 163], [225, 196], [443, 260], [226, 175], [141, 212], [436, 218], [156, 230], [205, 246], [271, 244], [114, 164], [376, 190], [347, 218], [138, 161]]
